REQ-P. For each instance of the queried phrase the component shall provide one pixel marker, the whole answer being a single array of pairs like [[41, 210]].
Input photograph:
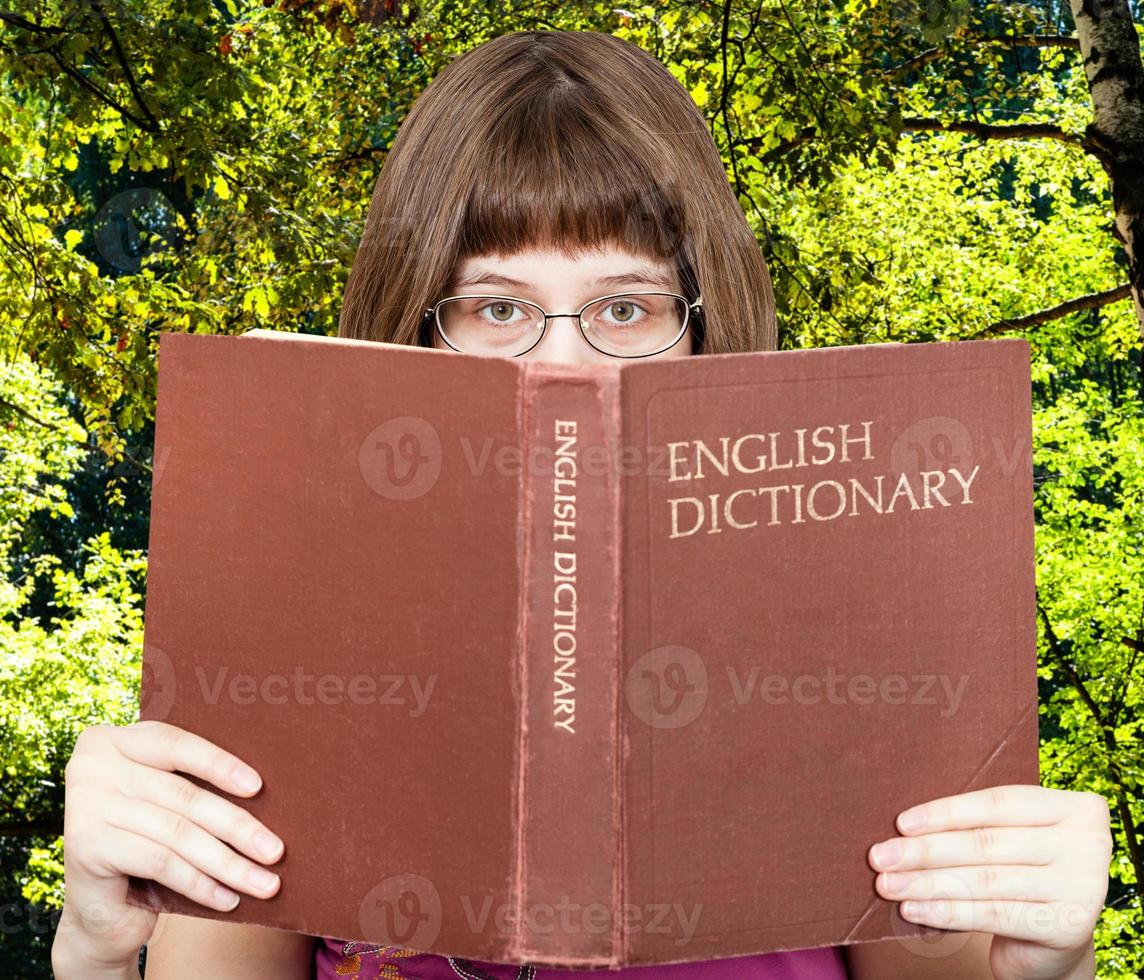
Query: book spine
[[567, 876]]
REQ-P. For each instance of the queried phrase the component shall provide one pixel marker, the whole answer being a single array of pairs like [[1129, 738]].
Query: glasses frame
[[696, 308]]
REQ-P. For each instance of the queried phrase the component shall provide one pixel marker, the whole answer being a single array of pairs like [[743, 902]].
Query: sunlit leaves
[[216, 177]]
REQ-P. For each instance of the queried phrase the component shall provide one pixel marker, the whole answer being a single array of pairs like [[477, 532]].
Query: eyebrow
[[642, 274]]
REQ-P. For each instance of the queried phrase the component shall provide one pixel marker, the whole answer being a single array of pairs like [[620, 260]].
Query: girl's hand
[[127, 812], [1028, 864]]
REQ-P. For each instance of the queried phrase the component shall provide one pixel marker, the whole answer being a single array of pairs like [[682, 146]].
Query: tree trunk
[[1111, 52]]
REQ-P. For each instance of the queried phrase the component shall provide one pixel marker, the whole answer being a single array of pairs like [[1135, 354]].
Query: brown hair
[[561, 139]]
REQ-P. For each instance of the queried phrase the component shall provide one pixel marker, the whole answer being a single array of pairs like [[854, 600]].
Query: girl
[[543, 172]]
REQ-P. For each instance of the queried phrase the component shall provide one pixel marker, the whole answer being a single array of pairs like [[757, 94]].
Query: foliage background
[[205, 166]]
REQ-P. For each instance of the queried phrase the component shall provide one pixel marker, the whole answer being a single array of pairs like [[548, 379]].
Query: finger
[[129, 854], [1015, 805], [1008, 882], [192, 844], [958, 848], [163, 746], [223, 819], [1038, 922]]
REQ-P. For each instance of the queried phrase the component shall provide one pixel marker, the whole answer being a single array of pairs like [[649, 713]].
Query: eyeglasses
[[622, 325]]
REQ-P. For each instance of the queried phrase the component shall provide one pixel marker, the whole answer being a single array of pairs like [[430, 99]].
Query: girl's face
[[559, 284]]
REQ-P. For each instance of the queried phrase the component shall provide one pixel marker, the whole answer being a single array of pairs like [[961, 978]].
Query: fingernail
[[267, 844], [261, 879], [886, 855], [893, 883], [246, 780], [911, 820], [225, 897]]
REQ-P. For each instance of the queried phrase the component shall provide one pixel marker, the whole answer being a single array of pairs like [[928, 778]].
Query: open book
[[594, 665]]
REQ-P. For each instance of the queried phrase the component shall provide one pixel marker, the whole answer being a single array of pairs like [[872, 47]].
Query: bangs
[[560, 175], [570, 142]]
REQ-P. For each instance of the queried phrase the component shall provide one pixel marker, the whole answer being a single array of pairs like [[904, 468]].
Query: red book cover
[[592, 665]]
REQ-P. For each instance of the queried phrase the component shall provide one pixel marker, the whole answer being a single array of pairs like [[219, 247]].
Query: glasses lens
[[495, 325], [636, 324]]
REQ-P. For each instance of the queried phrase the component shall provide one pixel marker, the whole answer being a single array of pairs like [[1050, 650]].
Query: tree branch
[[24, 24], [72, 72], [123, 63], [91, 446], [41, 829], [808, 135], [366, 154], [1007, 131], [1021, 41], [1123, 808], [1089, 302], [990, 131], [148, 121]]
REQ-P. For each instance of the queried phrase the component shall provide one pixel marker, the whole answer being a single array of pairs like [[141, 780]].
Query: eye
[[502, 310], [626, 311]]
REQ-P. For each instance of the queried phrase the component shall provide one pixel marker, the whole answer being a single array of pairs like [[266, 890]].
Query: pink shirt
[[335, 958]]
